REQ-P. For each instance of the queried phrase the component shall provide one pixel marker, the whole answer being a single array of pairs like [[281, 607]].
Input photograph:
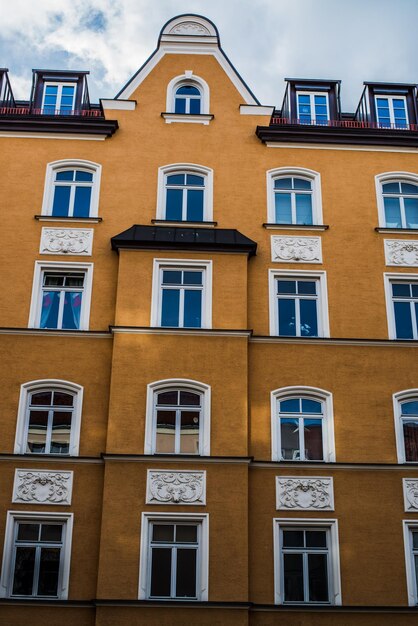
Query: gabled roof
[[189, 34]]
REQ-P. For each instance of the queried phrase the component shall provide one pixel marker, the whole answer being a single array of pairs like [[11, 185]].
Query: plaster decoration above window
[[174, 487], [72, 189], [188, 99], [185, 193], [410, 494], [397, 200], [68, 241], [42, 487], [294, 196], [296, 249], [303, 493], [401, 252]]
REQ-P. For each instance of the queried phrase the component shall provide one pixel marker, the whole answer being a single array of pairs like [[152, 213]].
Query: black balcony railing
[[284, 121], [26, 110]]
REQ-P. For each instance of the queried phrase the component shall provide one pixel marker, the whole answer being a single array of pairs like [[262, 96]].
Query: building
[[209, 349]]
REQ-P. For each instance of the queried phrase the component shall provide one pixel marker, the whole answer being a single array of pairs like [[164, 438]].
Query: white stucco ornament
[[174, 487]]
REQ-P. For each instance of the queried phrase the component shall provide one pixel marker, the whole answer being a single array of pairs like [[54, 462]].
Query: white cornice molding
[[118, 105], [255, 109], [53, 136], [331, 146]]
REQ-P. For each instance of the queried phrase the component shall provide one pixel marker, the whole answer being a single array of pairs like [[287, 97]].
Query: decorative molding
[[303, 493], [401, 252], [175, 487], [410, 494], [68, 241], [190, 28], [296, 249], [42, 487]]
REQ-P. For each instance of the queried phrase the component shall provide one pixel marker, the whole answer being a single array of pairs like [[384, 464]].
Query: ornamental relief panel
[[42, 487], [189, 28], [68, 241], [172, 487], [402, 252], [304, 493], [285, 249], [410, 494]]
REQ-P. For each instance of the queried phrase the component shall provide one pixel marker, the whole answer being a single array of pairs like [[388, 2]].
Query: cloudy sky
[[266, 40]]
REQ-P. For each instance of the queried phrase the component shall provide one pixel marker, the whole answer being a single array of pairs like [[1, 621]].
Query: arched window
[[185, 193], [397, 196], [302, 425], [178, 418], [49, 418], [187, 99], [406, 425], [72, 189], [294, 197]]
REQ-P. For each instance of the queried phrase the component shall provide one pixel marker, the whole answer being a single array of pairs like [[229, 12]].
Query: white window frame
[[314, 393], [322, 299], [188, 385], [390, 98], [391, 177], [188, 78], [37, 517], [334, 580], [204, 266], [202, 519], [411, 580], [36, 300], [389, 278], [22, 412], [298, 172], [312, 95], [398, 398], [59, 95], [185, 168], [71, 164]]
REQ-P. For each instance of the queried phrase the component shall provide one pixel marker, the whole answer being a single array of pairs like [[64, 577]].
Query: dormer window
[[391, 111], [315, 102], [59, 92], [58, 99], [187, 99], [312, 108]]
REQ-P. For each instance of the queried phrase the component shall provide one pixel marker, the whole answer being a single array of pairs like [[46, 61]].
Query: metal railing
[[21, 111], [284, 121]]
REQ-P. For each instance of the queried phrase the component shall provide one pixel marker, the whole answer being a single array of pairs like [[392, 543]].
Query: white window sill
[[188, 118], [69, 220]]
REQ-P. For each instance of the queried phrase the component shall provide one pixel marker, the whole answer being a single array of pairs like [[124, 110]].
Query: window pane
[[316, 538], [313, 440], [311, 406], [172, 277], [410, 435], [176, 179], [192, 308], [409, 188], [66, 175], [196, 181], [83, 176], [403, 320], [23, 572], [391, 188], [415, 540], [28, 532], [308, 318], [289, 436], [195, 106], [38, 425], [283, 183], [42, 398], [180, 105], [166, 430], [186, 573], [307, 287], [163, 532], [195, 205], [410, 408], [283, 208], [170, 307], [192, 278], [174, 204], [74, 280], [51, 532], [188, 90], [303, 208], [286, 286], [293, 577], [72, 310], [61, 432], [161, 572], [411, 212], [187, 398], [82, 202], [301, 183], [290, 406], [186, 533], [318, 577], [293, 538], [287, 320], [392, 212], [63, 399], [167, 397], [49, 572], [189, 432], [61, 201], [401, 289], [49, 310]]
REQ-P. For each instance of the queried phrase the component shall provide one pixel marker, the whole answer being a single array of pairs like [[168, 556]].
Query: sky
[[266, 40]]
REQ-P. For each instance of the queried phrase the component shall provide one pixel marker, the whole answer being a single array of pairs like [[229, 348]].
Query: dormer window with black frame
[[313, 102], [59, 93], [391, 106]]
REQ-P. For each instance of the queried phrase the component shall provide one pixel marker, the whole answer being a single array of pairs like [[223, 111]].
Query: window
[[182, 297], [71, 189], [49, 418], [188, 94], [61, 295], [298, 304], [397, 201], [402, 303], [307, 562], [312, 108], [178, 418], [187, 99], [302, 425], [58, 99], [391, 111], [405, 404], [36, 558], [185, 193], [410, 528], [174, 557], [294, 197]]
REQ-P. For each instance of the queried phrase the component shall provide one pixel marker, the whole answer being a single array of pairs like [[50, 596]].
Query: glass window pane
[[49, 310], [289, 437], [42, 398], [293, 577], [302, 183], [287, 319], [83, 176], [170, 307], [186, 573], [63, 399], [174, 204], [188, 90], [410, 435], [51, 532], [303, 208], [82, 202], [180, 105], [403, 320], [72, 309], [176, 179], [28, 532], [318, 577], [49, 572], [187, 398], [165, 432], [196, 181], [195, 106], [171, 277], [409, 188], [311, 406], [283, 206], [74, 280], [168, 397], [283, 183], [313, 440], [410, 408], [67, 90], [414, 289], [195, 205], [392, 212], [186, 533], [293, 538], [307, 287], [286, 286], [161, 572], [192, 278], [66, 175], [37, 431], [53, 280], [308, 318], [189, 432], [415, 540], [192, 308], [401, 289], [163, 532], [61, 201], [290, 406], [23, 572], [316, 538], [61, 432], [391, 188], [411, 212]]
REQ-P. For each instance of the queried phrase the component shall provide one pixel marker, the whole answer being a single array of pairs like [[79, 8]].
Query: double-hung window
[[178, 414], [404, 297], [58, 99], [391, 111], [71, 189], [313, 108], [301, 429], [293, 200], [187, 99], [185, 197], [49, 419], [400, 202]]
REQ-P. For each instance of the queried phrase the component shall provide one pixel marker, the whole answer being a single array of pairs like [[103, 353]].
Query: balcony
[[347, 123]]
